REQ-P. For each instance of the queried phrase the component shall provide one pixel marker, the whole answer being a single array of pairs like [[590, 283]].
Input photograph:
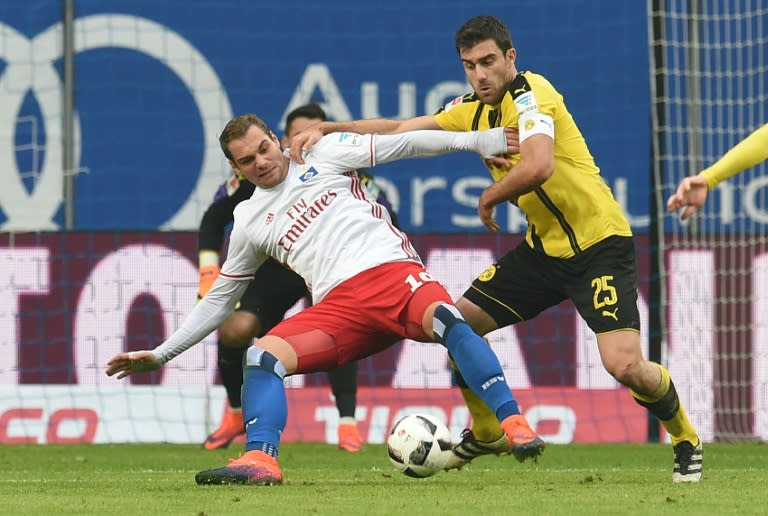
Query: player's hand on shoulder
[[126, 363], [208, 275], [304, 141]]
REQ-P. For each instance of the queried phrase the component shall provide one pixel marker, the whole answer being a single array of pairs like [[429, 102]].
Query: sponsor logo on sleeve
[[454, 102], [526, 103], [351, 139]]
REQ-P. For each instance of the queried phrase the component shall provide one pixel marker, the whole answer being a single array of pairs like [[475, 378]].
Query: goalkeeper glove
[[208, 274]]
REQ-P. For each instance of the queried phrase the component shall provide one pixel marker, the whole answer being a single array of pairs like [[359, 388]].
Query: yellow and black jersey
[[574, 209]]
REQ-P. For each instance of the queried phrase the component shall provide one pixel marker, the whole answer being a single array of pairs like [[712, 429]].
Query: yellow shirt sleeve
[[747, 153]]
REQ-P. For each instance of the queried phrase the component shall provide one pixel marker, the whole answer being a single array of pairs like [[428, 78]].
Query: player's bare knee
[[277, 347], [234, 337], [627, 372], [239, 329]]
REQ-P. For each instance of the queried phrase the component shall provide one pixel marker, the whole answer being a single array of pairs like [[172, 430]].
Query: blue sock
[[477, 363], [265, 409]]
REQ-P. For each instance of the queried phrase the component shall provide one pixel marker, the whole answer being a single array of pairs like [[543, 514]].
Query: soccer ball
[[419, 445]]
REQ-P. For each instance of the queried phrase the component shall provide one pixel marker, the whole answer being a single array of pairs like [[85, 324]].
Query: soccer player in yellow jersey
[[578, 244], [692, 192]]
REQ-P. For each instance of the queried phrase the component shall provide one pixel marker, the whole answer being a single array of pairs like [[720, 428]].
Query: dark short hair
[[481, 28], [237, 127], [313, 111]]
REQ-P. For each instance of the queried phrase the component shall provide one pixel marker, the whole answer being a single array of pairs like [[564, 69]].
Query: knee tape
[[263, 359]]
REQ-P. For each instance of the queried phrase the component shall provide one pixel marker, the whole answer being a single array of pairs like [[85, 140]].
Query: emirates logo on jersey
[[270, 217]]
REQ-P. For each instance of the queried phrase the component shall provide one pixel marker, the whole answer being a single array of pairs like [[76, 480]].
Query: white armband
[[534, 122]]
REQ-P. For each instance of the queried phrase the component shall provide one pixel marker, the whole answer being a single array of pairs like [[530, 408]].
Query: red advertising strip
[[559, 414]]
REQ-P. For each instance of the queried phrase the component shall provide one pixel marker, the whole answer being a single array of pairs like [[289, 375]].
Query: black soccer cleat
[[688, 462]]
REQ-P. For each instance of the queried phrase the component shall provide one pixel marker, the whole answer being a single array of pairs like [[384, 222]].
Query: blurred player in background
[[273, 291], [578, 244], [692, 192], [368, 283]]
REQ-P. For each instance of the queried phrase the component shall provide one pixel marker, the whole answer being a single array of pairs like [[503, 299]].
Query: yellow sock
[[485, 426], [678, 426]]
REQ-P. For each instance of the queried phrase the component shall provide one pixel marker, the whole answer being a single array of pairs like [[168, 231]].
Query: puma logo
[[518, 90], [606, 313]]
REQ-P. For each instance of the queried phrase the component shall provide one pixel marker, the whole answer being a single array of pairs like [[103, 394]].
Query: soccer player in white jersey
[[368, 284]]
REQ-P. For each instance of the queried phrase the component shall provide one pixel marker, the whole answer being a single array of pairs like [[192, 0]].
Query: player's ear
[[511, 54], [234, 167]]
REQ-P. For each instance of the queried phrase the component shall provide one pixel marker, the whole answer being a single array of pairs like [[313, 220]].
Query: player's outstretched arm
[[207, 315], [692, 192], [302, 142], [425, 143]]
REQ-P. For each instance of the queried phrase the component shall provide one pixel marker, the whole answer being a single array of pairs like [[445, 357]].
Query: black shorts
[[601, 282], [273, 290]]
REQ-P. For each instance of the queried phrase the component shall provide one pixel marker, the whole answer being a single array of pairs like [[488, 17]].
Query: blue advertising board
[[155, 82]]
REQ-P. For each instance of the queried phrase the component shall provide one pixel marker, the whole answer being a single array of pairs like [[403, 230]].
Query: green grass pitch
[[319, 479]]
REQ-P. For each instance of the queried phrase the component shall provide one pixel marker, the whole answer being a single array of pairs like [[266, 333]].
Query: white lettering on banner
[[426, 365], [106, 300], [690, 354], [441, 92], [620, 192], [390, 191], [31, 425], [36, 211], [108, 413], [727, 193], [461, 194], [317, 76], [564, 415], [590, 371], [419, 187], [516, 220], [464, 198], [22, 271], [760, 345], [753, 207], [179, 414], [369, 94]]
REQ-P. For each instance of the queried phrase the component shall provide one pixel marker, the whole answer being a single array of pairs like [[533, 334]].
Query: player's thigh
[[603, 286], [272, 292], [328, 334], [362, 316], [518, 287]]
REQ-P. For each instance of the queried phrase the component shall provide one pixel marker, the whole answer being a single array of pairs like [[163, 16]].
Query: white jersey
[[319, 221]]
